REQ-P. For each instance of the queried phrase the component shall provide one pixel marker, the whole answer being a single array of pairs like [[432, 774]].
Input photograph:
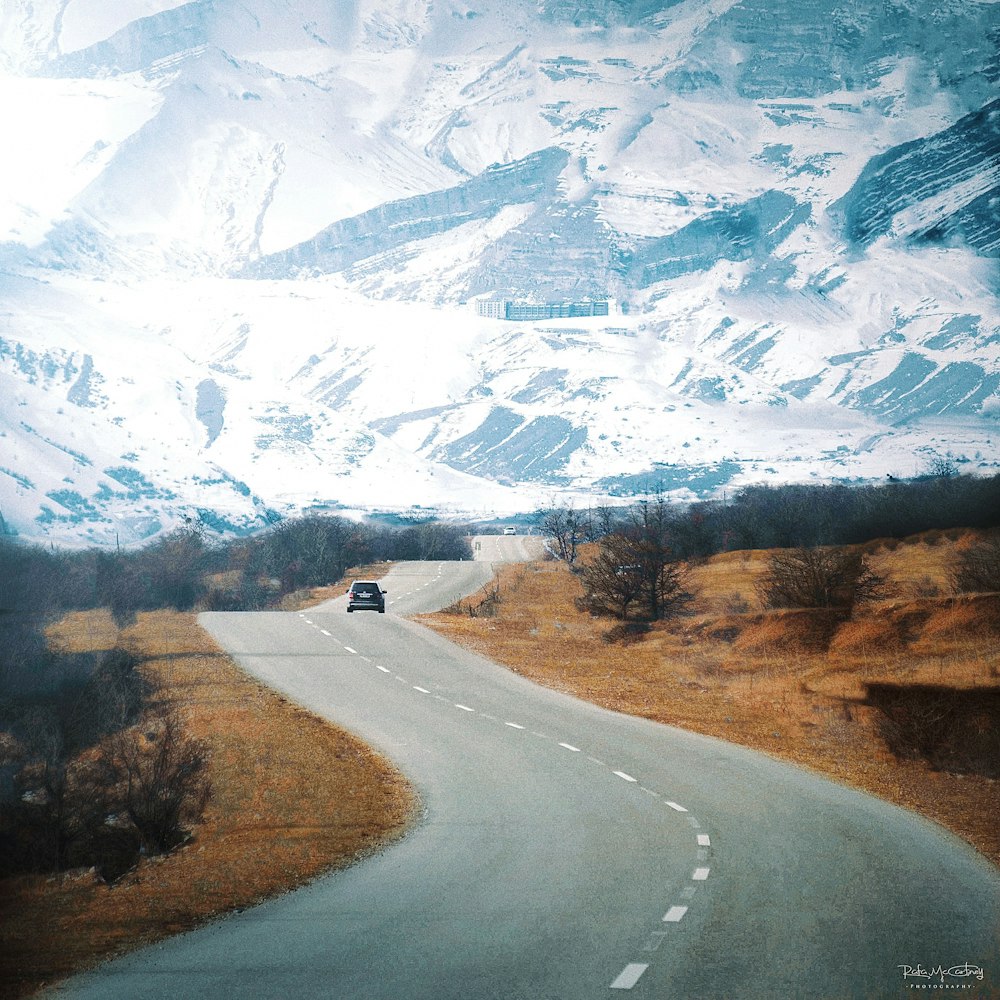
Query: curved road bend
[[569, 853]]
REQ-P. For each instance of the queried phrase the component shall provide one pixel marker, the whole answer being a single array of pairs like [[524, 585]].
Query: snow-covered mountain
[[259, 256]]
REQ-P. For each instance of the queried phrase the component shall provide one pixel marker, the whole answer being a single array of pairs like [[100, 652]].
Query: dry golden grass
[[293, 797], [728, 582], [787, 683]]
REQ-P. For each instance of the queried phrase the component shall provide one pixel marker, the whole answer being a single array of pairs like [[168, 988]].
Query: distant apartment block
[[509, 309], [492, 308]]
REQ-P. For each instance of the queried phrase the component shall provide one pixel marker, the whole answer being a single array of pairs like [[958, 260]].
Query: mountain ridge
[[242, 251]]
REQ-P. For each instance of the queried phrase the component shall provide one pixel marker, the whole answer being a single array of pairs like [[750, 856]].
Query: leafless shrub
[[162, 775], [487, 603], [75, 802], [818, 578], [977, 568], [954, 730], [59, 817], [60, 803], [613, 587]]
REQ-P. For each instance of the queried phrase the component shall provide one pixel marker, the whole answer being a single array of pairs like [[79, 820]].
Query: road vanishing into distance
[[565, 852]]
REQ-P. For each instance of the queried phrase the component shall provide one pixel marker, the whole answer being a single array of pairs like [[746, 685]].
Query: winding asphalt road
[[569, 853]]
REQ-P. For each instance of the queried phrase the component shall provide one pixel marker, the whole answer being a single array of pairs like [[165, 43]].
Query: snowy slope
[[241, 246]]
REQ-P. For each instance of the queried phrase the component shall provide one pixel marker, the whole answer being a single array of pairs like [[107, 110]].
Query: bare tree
[[613, 584], [565, 526], [603, 521], [172, 568], [636, 568], [309, 551], [650, 536]]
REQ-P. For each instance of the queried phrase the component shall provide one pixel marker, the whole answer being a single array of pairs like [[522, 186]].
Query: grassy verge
[[293, 797], [788, 683]]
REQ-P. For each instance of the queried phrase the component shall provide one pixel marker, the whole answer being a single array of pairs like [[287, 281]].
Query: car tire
[[349, 610], [381, 611]]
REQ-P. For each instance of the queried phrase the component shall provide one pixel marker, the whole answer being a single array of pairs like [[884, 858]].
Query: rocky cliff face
[[396, 224], [941, 188]]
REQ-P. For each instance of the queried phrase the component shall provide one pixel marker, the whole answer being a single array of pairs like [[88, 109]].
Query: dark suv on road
[[366, 596]]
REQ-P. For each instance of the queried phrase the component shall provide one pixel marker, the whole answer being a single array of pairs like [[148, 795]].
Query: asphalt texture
[[564, 852]]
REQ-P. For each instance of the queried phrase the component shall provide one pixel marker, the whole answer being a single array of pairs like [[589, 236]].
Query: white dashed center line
[[629, 976], [655, 940]]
